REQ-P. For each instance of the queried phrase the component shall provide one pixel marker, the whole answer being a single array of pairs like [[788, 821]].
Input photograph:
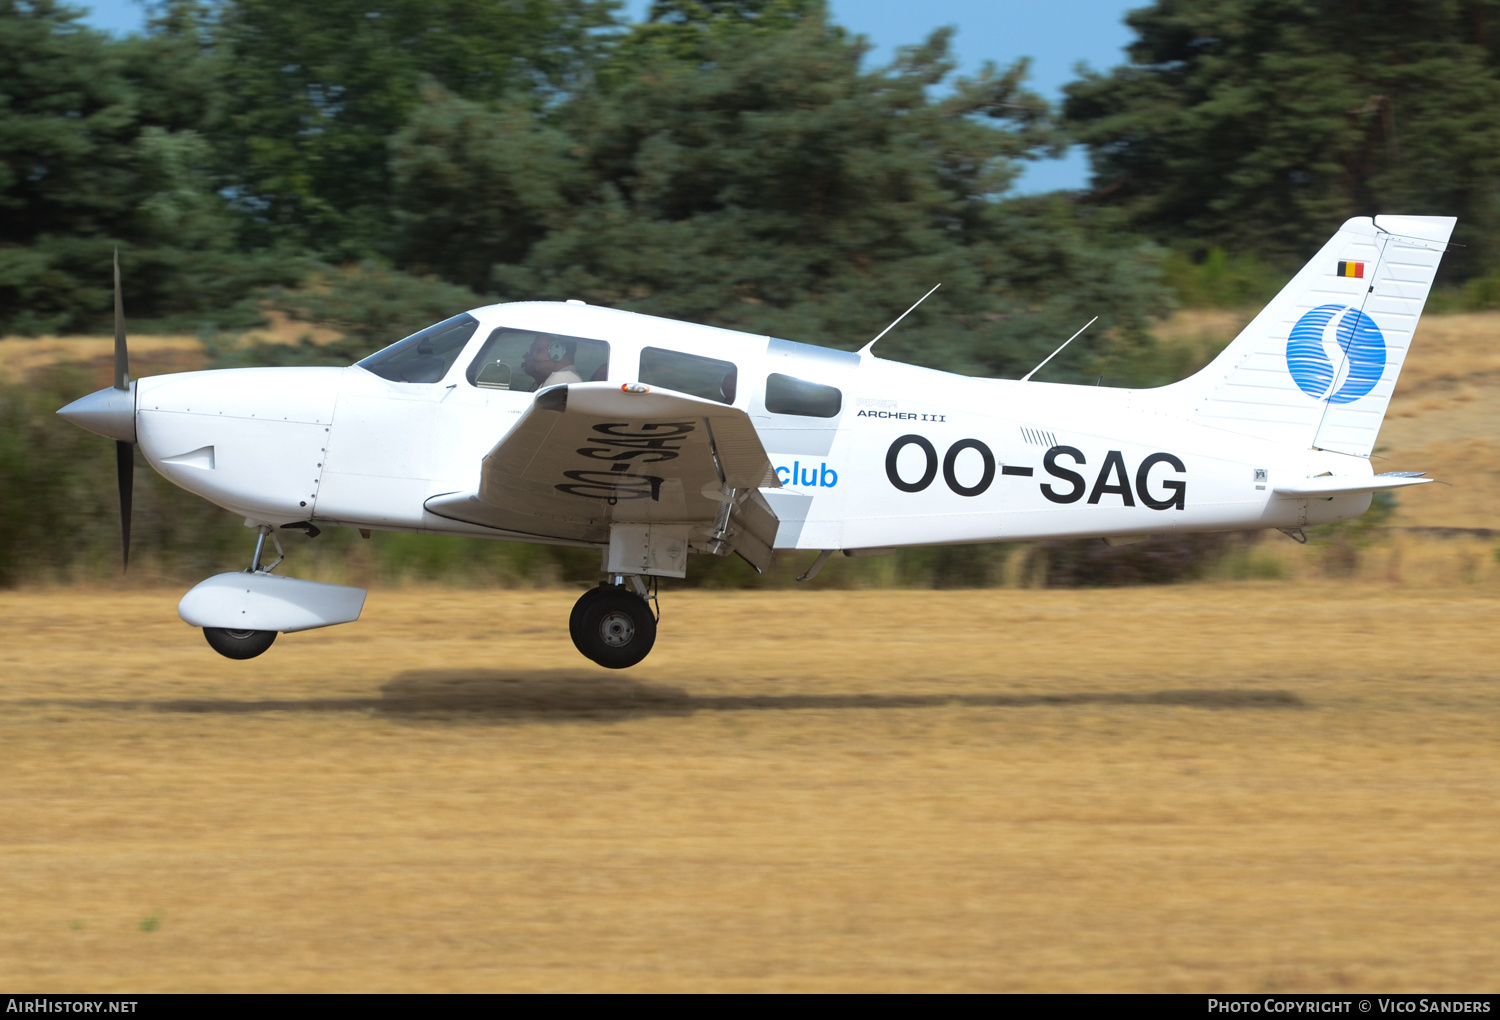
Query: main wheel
[[238, 644], [614, 627], [575, 618]]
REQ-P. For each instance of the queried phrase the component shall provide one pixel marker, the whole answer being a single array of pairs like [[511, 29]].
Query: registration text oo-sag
[[651, 440]]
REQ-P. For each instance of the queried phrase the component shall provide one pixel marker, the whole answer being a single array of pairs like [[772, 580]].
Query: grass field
[[1252, 787], [1275, 786]]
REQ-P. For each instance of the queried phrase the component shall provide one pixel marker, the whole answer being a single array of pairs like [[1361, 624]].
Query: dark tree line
[[363, 163], [371, 163], [1258, 124]]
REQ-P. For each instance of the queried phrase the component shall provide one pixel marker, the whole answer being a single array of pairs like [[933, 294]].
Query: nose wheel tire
[[238, 644], [613, 627]]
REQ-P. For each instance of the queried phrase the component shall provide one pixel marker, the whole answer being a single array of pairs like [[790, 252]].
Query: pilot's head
[[548, 355]]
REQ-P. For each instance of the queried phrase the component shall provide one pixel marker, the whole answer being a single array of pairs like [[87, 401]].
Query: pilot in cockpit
[[550, 362]]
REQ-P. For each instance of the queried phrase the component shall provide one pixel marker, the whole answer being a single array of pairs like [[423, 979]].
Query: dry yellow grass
[[21, 357], [1255, 787], [1218, 787], [1444, 417]]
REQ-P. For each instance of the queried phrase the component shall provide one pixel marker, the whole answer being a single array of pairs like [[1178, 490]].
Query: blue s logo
[[1313, 353]]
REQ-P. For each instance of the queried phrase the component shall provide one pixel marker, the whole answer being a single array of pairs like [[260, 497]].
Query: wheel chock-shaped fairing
[[261, 601]]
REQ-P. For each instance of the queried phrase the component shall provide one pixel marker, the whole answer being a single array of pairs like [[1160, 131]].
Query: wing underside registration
[[588, 456]]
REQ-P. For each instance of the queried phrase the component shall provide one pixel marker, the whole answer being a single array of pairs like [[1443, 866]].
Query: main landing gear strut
[[615, 623]]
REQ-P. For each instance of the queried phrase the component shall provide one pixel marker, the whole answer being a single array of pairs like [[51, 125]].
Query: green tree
[[102, 144], [1260, 125], [318, 88], [477, 185], [690, 30], [762, 180], [370, 304]]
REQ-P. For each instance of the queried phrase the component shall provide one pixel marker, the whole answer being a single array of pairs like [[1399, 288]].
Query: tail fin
[[1317, 366]]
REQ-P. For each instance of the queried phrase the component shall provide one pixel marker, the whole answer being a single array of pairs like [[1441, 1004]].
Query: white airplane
[[651, 439]]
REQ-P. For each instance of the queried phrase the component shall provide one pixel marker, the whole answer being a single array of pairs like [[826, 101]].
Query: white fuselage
[[913, 456]]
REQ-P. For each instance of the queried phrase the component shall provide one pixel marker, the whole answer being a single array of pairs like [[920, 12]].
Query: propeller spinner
[[111, 413]]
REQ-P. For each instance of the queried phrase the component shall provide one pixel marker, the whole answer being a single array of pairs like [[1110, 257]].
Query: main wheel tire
[[238, 644], [615, 627], [575, 618]]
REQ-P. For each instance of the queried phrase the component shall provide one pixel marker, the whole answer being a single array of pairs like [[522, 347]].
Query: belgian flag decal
[[1353, 269]]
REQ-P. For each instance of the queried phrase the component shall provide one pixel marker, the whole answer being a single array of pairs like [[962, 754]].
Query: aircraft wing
[[586, 456]]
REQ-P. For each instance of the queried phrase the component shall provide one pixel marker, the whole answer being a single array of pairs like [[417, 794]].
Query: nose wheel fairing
[[261, 601]]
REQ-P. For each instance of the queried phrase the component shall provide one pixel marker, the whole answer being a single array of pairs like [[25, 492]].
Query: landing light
[[635, 387]]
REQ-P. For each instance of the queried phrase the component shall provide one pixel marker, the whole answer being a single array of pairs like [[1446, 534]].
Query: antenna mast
[[866, 348], [1075, 336]]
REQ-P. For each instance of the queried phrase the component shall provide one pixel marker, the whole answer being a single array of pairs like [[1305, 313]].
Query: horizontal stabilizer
[[1334, 485]]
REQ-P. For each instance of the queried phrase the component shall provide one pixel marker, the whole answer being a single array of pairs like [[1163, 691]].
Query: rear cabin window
[[424, 357], [708, 378], [526, 360], [787, 394]]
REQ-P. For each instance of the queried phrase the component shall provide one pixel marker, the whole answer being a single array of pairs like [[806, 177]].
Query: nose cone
[[109, 413]]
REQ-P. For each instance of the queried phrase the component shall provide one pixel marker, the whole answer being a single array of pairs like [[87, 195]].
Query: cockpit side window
[[708, 378], [525, 360], [424, 357], [787, 394]]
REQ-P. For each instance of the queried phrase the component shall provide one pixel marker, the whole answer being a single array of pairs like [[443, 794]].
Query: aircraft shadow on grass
[[565, 695]]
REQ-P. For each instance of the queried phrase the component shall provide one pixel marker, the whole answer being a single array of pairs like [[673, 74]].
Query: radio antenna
[[866, 348], [1075, 336]]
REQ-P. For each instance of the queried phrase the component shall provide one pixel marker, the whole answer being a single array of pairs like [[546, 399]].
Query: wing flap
[[755, 525]]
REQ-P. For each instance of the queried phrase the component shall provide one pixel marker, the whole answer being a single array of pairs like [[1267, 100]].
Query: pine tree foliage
[[750, 173], [103, 143], [1258, 124], [313, 91]]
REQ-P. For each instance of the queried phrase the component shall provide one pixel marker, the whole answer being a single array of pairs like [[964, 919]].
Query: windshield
[[424, 357]]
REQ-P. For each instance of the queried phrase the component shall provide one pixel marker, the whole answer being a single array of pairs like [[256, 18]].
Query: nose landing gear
[[242, 612], [614, 625], [247, 644]]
